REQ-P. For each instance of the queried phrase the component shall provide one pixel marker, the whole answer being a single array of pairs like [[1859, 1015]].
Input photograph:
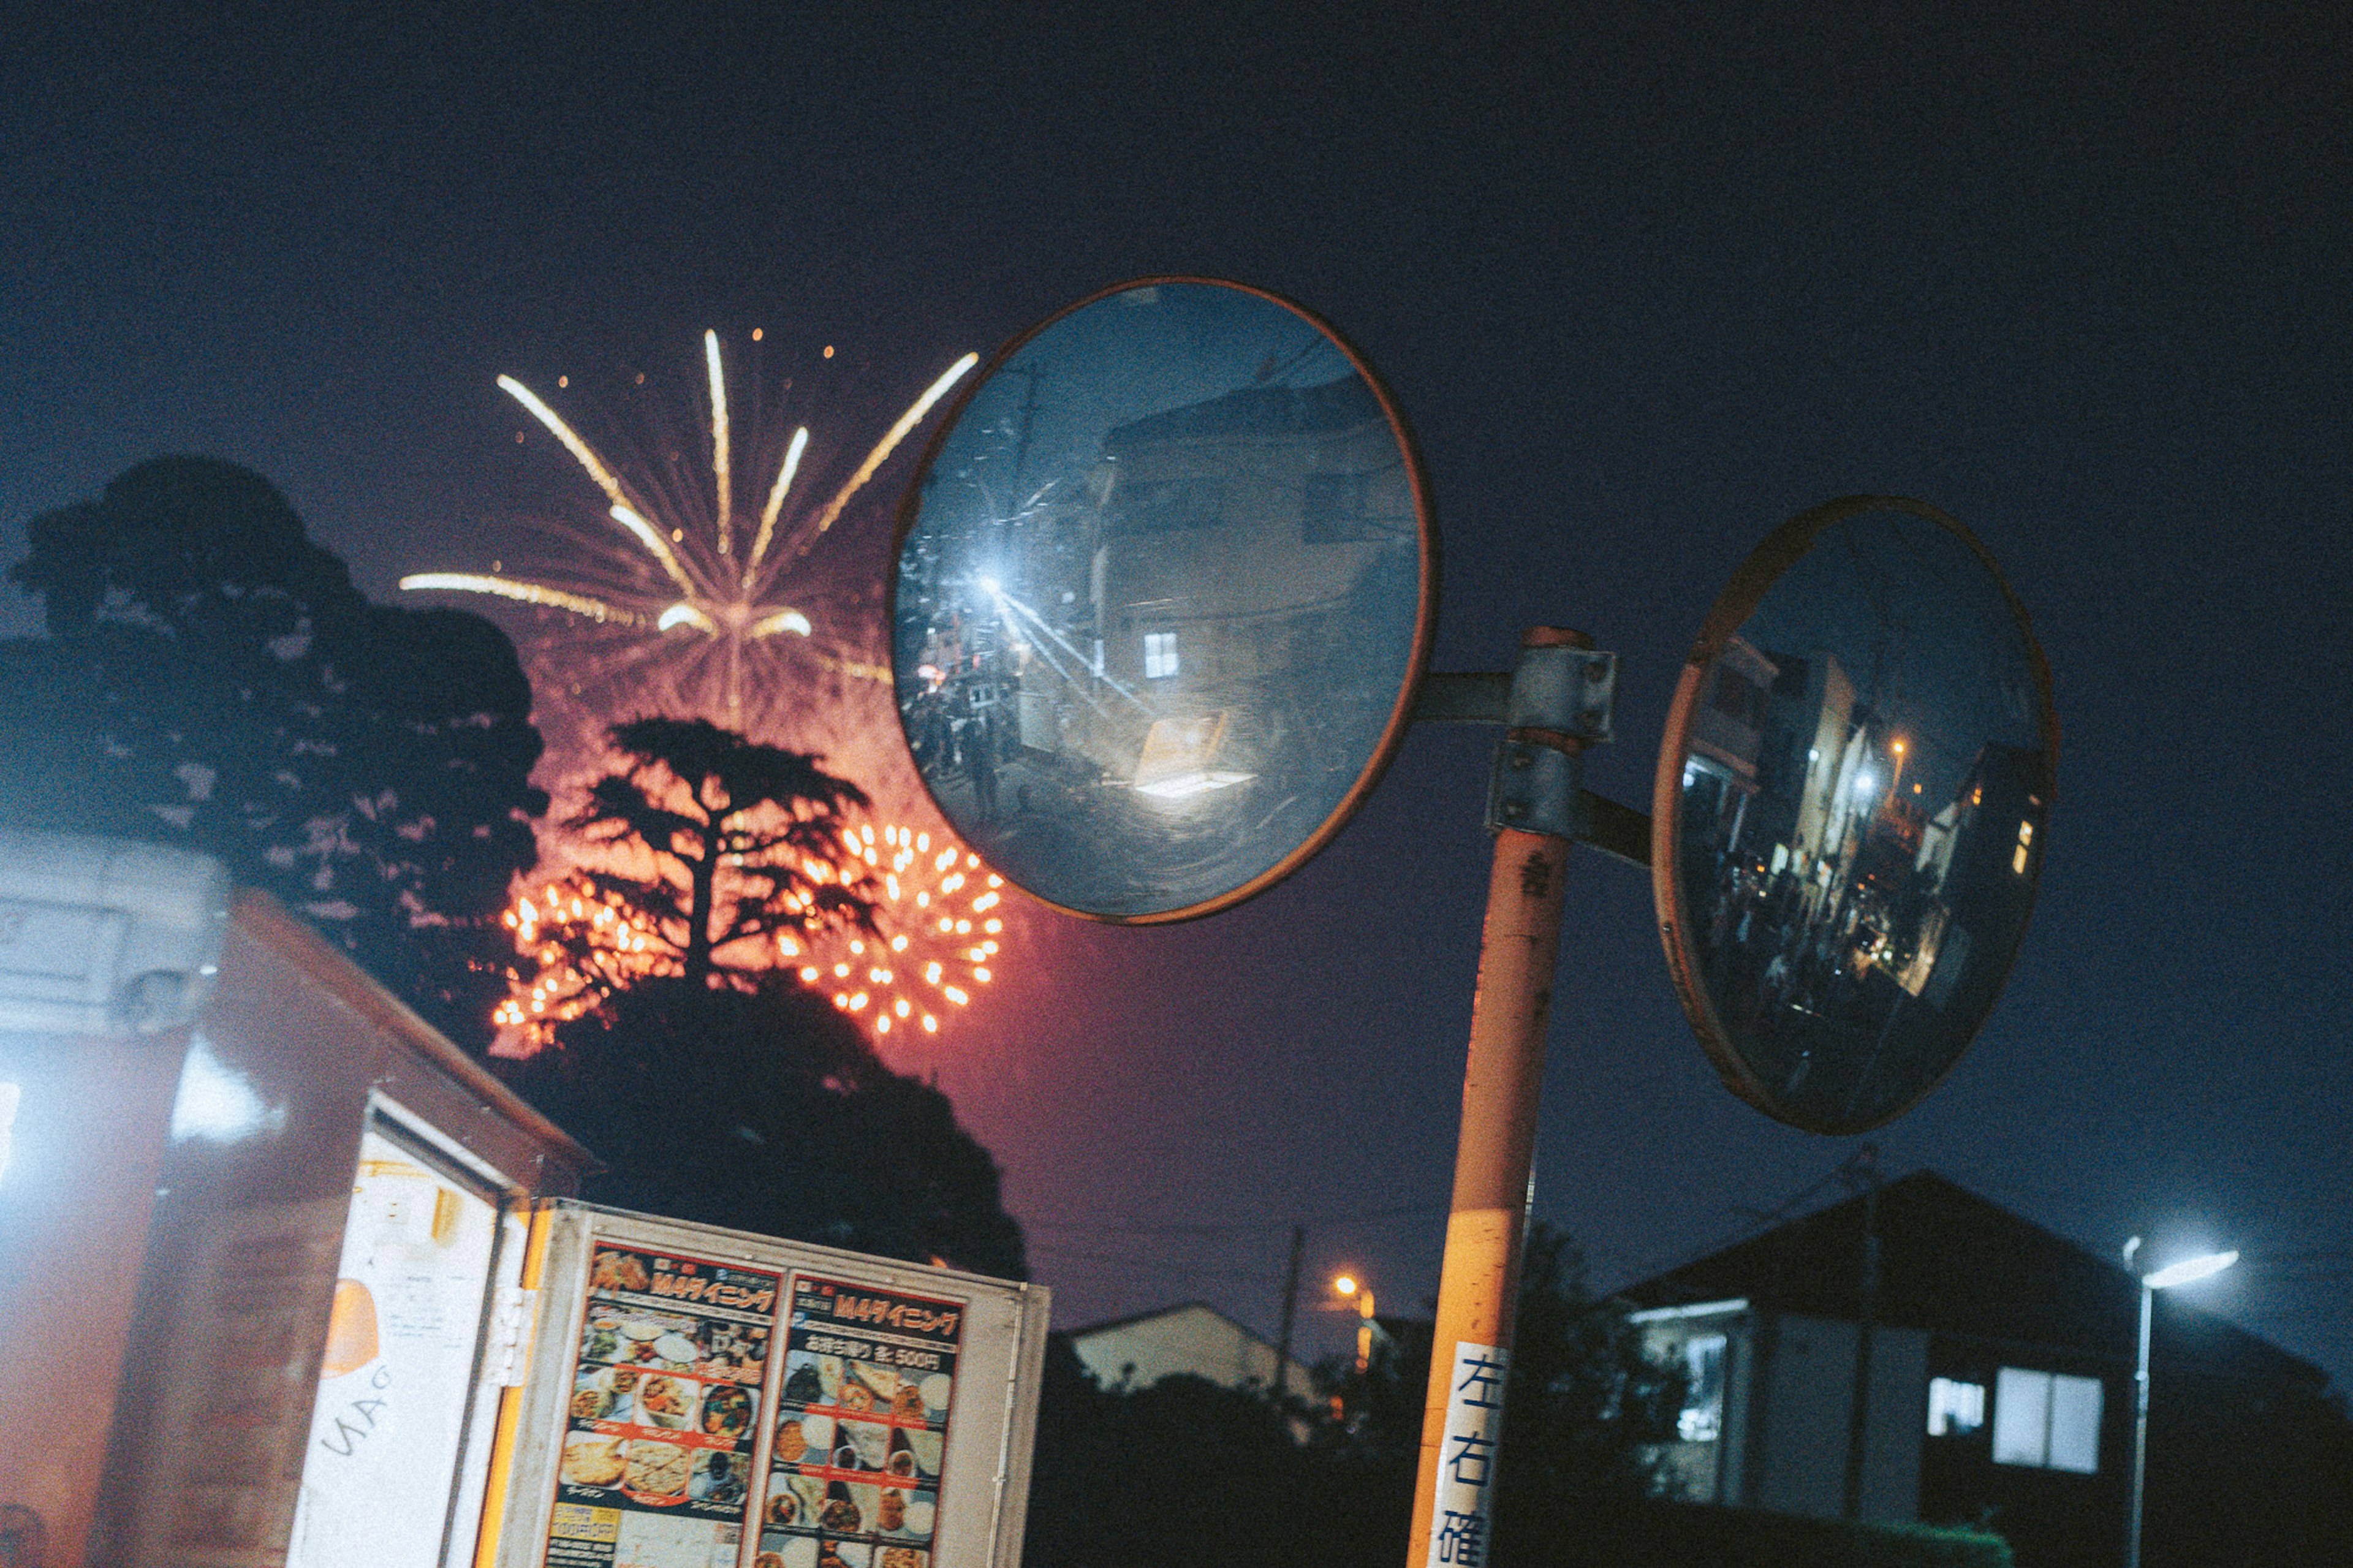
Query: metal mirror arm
[[1537, 788]]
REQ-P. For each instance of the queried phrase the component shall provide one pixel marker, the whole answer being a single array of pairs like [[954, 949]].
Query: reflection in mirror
[[1160, 599], [1866, 771]]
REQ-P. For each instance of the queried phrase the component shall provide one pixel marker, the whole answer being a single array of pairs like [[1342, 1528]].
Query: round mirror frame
[[1425, 626], [1750, 581]]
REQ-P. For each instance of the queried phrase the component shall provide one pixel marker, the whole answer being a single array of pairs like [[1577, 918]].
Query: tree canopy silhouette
[[212, 680], [664, 1031], [746, 840], [707, 852]]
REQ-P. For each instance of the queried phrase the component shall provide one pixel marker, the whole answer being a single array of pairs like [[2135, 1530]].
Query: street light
[[1349, 1285], [2187, 1271]]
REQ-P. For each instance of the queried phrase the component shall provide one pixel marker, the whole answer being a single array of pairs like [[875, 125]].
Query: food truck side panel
[[297, 1058], [77, 1176], [107, 951]]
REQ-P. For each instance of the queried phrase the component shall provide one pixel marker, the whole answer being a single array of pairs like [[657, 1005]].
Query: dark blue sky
[[1646, 280]]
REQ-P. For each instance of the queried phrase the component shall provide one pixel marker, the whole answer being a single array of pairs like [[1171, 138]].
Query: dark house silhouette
[[2001, 1392]]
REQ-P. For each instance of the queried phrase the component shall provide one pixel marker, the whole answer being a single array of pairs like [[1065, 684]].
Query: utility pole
[[1865, 1167], [1290, 1311], [1558, 703]]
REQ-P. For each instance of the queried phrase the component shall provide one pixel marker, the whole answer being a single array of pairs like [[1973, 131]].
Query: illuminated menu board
[[862, 1427], [702, 1398], [663, 1413]]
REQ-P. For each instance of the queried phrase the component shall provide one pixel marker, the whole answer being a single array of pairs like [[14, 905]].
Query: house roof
[[1954, 1263], [1257, 412], [1158, 1313]]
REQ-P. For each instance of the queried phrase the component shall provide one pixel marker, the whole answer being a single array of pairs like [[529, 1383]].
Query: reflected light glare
[[217, 1103], [1184, 785], [2190, 1270]]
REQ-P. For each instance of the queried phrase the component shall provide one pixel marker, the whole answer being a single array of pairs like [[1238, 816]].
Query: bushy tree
[[672, 1035], [763, 1107], [1185, 1472], [212, 679], [1583, 1408]]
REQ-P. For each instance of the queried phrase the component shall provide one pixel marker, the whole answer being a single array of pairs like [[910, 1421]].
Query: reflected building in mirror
[[1851, 879], [1152, 672]]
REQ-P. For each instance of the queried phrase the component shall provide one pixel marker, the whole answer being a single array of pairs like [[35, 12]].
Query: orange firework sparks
[[941, 935], [585, 946]]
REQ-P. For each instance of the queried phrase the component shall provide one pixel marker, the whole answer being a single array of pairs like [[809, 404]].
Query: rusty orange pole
[[1479, 1285]]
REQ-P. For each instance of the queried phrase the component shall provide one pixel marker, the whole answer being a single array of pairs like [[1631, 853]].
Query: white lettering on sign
[[1462, 1514]]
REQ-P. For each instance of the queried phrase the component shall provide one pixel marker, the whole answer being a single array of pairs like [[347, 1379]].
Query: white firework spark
[[675, 600]]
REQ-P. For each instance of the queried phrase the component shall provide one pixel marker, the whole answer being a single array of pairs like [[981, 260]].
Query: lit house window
[[1955, 1409], [1702, 1420], [2047, 1420], [1159, 654]]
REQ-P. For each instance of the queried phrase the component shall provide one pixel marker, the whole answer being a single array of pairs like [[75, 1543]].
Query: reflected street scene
[[1866, 779], [1159, 600]]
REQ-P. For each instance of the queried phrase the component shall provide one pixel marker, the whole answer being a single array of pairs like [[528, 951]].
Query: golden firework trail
[[711, 597]]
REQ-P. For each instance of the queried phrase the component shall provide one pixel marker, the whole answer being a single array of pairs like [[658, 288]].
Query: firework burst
[[676, 590], [939, 937], [942, 934], [673, 595]]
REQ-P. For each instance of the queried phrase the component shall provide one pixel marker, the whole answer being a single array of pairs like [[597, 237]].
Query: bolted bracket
[[1561, 702], [1536, 788], [1570, 691]]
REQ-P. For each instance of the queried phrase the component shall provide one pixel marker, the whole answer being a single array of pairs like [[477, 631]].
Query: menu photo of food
[[663, 1413], [862, 1426]]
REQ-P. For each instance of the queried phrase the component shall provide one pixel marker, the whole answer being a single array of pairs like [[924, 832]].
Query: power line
[[1227, 1227], [1158, 1265]]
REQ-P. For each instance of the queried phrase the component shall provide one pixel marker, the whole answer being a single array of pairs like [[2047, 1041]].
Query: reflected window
[[1955, 1409], [2048, 1421], [1702, 1419], [1740, 698], [1159, 654], [1157, 508]]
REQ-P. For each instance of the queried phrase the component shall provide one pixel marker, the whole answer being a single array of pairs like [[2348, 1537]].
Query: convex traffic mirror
[[1848, 824], [1165, 588]]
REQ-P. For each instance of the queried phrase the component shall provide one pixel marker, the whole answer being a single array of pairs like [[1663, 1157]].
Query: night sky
[[1647, 279]]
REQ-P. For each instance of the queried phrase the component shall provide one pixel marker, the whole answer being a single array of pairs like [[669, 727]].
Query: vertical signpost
[[1536, 784]]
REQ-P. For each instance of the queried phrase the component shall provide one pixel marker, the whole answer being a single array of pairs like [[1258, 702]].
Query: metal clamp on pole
[[1564, 691], [1562, 701]]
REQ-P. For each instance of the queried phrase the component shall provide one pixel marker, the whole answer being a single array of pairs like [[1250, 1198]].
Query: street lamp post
[[2181, 1273], [1349, 1285]]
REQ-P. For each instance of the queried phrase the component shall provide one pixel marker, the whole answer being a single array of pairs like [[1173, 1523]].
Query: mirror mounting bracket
[[1566, 694], [1536, 788], [1566, 690], [1560, 702]]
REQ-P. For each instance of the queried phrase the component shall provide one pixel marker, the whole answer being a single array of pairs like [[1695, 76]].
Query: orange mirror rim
[[1425, 625], [1756, 576]]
